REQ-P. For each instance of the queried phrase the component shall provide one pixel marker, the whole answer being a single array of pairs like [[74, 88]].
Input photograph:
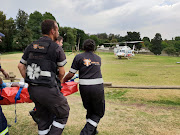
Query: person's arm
[[68, 77], [4, 73], [1, 81], [22, 69], [61, 62], [61, 73], [74, 68], [15, 85], [23, 62]]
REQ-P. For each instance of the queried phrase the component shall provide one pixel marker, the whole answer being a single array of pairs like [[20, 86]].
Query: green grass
[[129, 96], [128, 111], [166, 102], [141, 70], [115, 94], [7, 53]]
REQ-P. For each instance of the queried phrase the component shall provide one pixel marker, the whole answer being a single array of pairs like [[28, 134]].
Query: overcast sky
[[110, 16]]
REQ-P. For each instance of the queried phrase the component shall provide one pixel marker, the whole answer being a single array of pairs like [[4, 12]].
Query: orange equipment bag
[[8, 94]]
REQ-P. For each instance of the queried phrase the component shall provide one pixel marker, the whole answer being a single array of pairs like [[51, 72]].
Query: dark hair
[[47, 25], [89, 45], [59, 38]]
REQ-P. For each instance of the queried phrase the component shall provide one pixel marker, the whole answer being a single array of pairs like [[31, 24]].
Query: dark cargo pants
[[52, 109], [94, 102], [3, 123]]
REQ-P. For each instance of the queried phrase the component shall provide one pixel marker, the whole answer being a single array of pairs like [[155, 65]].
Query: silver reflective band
[[92, 122], [43, 132], [36, 75], [23, 61], [72, 70], [34, 71], [58, 125], [62, 63], [90, 81], [4, 131], [45, 73]]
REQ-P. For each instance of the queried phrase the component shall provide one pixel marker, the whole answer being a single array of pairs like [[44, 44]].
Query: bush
[[170, 50], [67, 47]]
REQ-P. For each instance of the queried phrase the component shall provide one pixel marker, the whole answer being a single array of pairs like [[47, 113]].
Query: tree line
[[25, 28]]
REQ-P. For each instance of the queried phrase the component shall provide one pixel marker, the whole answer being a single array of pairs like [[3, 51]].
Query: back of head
[[89, 45], [59, 38], [47, 25]]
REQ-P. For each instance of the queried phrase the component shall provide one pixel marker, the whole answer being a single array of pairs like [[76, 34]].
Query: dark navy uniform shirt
[[89, 66], [60, 56]]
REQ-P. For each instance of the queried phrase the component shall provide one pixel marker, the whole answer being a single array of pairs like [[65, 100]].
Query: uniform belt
[[90, 81]]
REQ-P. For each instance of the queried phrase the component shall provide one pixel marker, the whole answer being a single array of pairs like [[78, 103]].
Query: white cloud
[[111, 16]]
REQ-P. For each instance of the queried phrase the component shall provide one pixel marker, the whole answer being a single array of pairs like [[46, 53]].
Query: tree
[[69, 36], [8, 28], [23, 36], [34, 24], [114, 40], [170, 50], [81, 36], [2, 20], [177, 47], [156, 46], [21, 19], [146, 39], [111, 36], [96, 39], [133, 36], [118, 37], [103, 36], [164, 44], [48, 15], [9, 31], [147, 42], [177, 38], [2, 27]]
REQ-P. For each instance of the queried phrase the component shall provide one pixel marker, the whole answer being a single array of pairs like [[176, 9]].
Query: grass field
[[128, 111]]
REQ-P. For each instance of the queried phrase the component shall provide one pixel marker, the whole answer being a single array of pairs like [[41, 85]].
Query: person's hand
[[5, 74]]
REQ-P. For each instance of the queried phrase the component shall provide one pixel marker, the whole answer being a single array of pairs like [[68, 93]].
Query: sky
[[106, 16]]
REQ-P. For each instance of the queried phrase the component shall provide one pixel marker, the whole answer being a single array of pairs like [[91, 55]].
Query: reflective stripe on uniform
[[23, 61], [34, 71], [4, 131], [92, 122], [62, 63], [90, 81], [44, 132], [58, 125], [45, 73], [72, 70]]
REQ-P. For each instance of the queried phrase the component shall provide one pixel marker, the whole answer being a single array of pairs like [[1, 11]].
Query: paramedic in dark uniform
[[39, 66], [59, 41], [3, 121], [90, 84]]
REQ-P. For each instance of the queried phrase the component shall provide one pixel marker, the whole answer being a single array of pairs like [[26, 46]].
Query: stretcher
[[8, 94]]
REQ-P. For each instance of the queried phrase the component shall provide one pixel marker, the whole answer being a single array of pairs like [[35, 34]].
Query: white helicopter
[[124, 51]]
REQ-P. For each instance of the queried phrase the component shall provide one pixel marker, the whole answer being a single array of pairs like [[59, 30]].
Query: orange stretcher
[[8, 94]]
